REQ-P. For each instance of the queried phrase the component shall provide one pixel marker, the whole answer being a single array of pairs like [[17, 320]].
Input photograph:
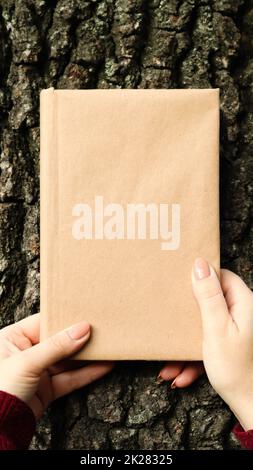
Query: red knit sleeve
[[245, 437], [17, 423]]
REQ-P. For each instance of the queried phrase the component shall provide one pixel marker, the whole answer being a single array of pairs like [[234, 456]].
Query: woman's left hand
[[38, 373]]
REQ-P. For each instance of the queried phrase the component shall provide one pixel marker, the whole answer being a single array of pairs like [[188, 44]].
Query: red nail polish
[[159, 379], [173, 385]]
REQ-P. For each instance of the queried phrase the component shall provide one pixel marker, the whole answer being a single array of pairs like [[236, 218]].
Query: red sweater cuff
[[245, 437], [17, 423]]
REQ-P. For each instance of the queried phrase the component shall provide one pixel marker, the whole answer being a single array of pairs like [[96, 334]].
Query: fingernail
[[159, 379], [173, 385], [201, 269], [79, 330]]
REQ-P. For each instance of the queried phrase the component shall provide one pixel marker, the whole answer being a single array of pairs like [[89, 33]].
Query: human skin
[[38, 373], [226, 307]]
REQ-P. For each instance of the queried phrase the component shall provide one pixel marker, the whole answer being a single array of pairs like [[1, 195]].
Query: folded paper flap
[[124, 271]]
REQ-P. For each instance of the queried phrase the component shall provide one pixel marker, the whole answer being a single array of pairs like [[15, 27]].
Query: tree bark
[[123, 44]]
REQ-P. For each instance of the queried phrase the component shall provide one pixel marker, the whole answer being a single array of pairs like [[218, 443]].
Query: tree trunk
[[123, 44]]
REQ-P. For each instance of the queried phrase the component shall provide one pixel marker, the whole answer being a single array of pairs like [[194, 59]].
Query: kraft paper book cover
[[129, 198]]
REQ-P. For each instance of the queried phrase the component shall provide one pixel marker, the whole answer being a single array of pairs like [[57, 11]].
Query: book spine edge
[[48, 207], [218, 177]]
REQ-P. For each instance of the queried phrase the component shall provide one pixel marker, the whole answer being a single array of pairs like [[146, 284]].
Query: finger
[[210, 298], [28, 329], [170, 371], [57, 347], [235, 290], [191, 372], [66, 364], [69, 381]]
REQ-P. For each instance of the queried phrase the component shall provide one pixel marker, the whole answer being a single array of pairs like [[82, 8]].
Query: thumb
[[57, 347], [209, 296]]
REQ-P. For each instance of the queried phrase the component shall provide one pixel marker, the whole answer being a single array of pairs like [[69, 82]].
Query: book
[[129, 190]]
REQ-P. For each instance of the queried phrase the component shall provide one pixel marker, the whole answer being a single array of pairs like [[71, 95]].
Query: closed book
[[129, 198]]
